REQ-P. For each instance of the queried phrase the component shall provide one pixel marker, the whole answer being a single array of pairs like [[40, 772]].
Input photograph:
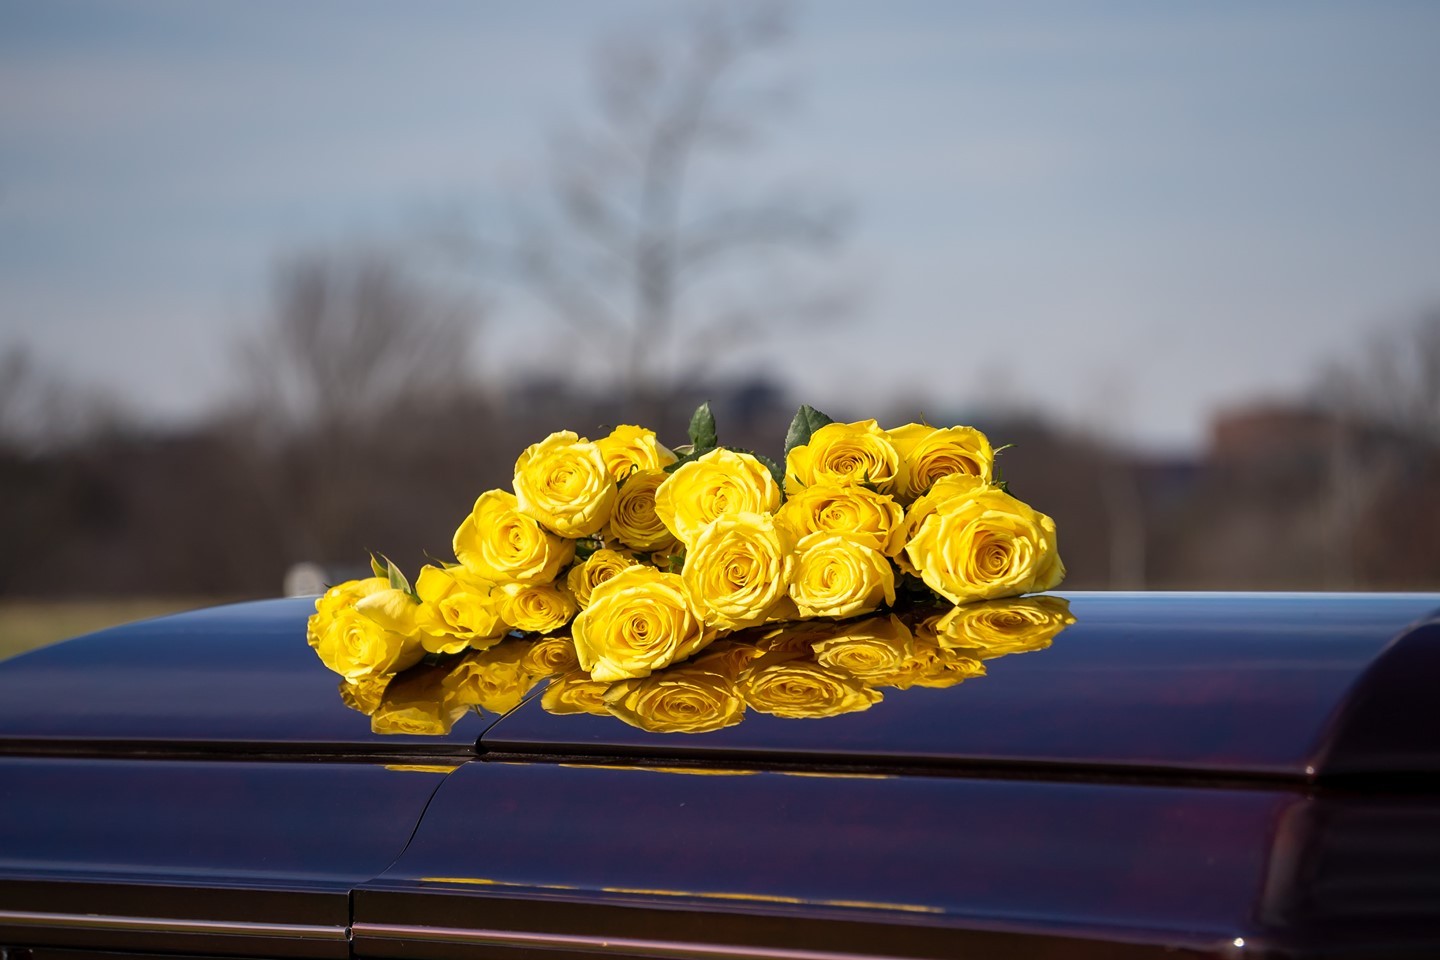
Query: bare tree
[[1394, 381], [634, 251], [354, 336], [41, 409]]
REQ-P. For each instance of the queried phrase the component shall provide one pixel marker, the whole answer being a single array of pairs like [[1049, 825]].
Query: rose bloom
[[719, 483], [372, 636], [929, 453], [629, 450], [499, 543], [972, 541], [738, 569], [549, 656], [870, 650], [639, 620], [634, 521], [456, 611], [803, 688], [999, 627], [844, 453], [853, 510], [840, 576], [536, 607], [562, 482], [687, 698], [596, 569]]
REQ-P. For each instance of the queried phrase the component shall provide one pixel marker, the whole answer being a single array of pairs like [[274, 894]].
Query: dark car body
[[1178, 775]]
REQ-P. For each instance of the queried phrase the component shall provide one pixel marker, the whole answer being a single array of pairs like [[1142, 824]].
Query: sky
[[1124, 215]]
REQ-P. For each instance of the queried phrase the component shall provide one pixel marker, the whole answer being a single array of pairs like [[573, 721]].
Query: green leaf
[[807, 421], [702, 429], [585, 547], [687, 458], [377, 567], [677, 562], [396, 578]]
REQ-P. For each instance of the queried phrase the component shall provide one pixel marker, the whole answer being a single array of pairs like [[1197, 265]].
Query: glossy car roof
[[1267, 685]]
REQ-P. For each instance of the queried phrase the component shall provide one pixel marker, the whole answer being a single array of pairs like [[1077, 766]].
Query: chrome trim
[[237, 928], [624, 946]]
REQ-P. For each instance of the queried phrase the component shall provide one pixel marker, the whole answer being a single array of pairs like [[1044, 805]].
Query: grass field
[[27, 624]]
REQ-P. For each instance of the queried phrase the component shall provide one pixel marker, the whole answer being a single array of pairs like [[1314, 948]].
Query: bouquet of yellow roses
[[648, 555]]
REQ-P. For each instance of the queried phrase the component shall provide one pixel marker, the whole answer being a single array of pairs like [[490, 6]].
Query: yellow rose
[[629, 450], [416, 704], [500, 544], [738, 568], [802, 688], [929, 453], [849, 509], [457, 612], [843, 453], [549, 656], [972, 541], [575, 692], [634, 521], [596, 569], [493, 679], [374, 636], [562, 481], [683, 699], [535, 607], [721, 482], [931, 665], [347, 594], [638, 621], [870, 650], [840, 576], [999, 627]]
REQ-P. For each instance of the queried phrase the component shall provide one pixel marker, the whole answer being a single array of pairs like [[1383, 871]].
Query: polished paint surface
[[1235, 684], [142, 846], [236, 675], [1179, 865]]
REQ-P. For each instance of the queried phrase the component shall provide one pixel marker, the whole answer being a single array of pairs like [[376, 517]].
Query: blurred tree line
[[360, 424]]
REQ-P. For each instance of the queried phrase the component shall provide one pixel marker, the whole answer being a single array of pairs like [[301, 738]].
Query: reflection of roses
[[931, 665], [493, 679], [843, 453], [858, 512], [549, 656], [1000, 627], [630, 449], [575, 692], [687, 698], [562, 481], [802, 688], [972, 541], [499, 543], [596, 569], [638, 621], [456, 612], [719, 483], [634, 521], [929, 453], [738, 568], [839, 576], [365, 695], [417, 703], [869, 650]]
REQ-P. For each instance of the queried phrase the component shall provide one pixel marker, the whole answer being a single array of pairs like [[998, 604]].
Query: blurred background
[[281, 284]]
